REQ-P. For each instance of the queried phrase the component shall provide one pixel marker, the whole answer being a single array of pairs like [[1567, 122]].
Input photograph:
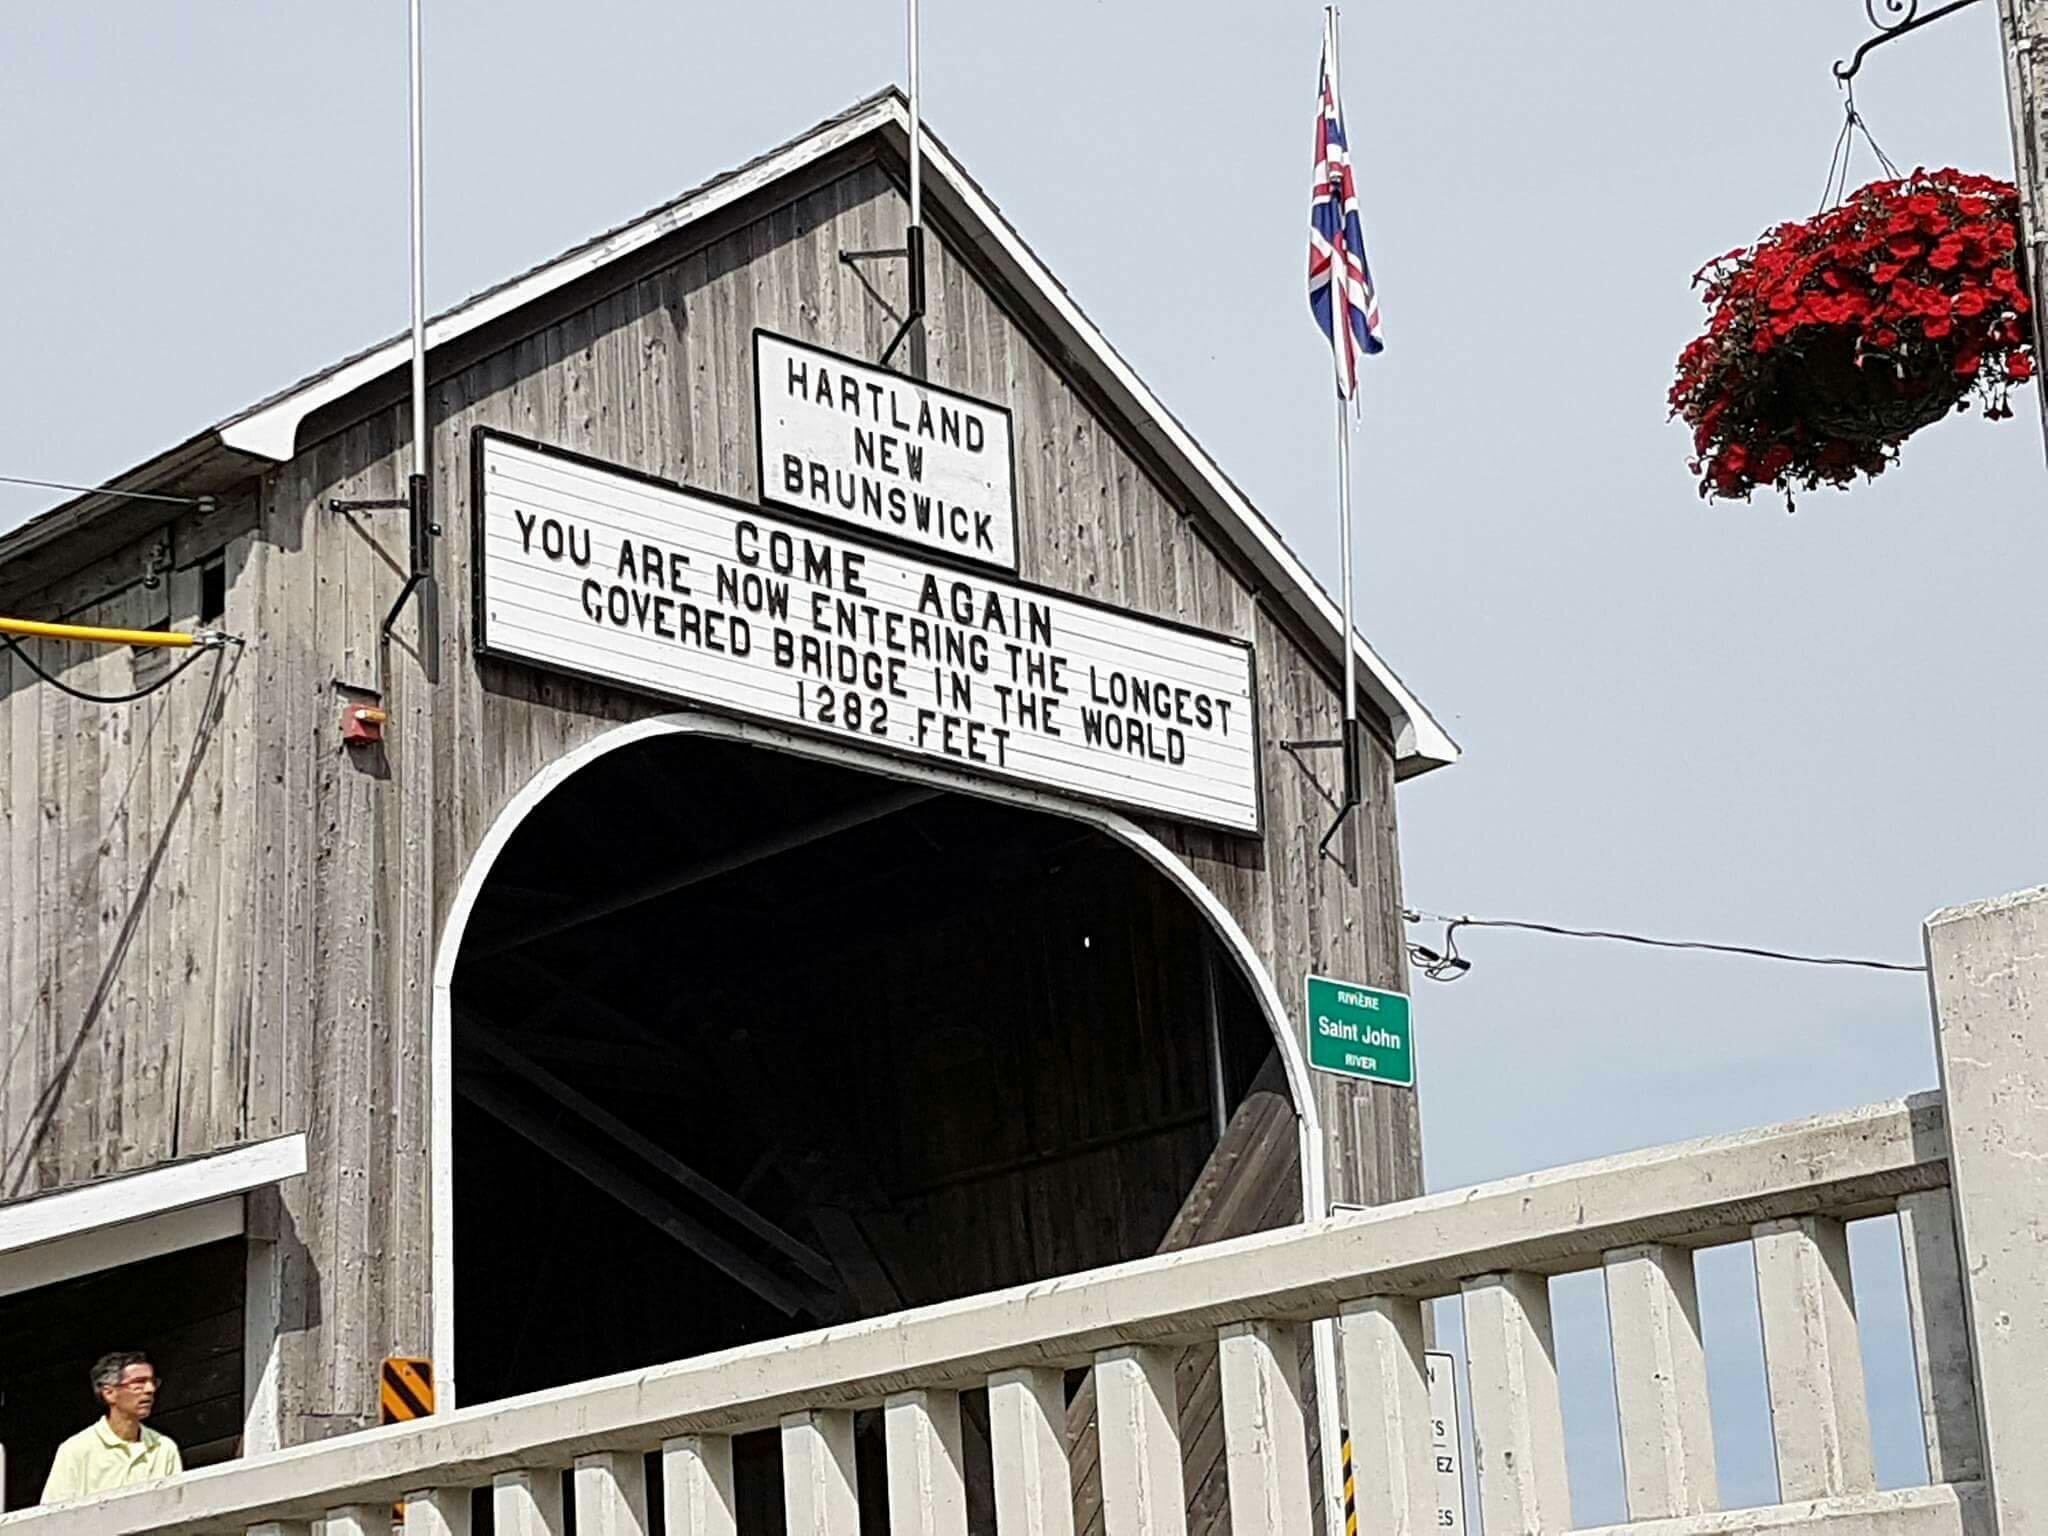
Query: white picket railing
[[1965, 1172], [1788, 1190]]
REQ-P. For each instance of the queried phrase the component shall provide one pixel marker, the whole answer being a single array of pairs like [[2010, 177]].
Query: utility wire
[[1451, 965], [103, 698], [106, 490]]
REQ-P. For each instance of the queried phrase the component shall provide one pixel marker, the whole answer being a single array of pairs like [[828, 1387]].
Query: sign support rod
[[423, 529]]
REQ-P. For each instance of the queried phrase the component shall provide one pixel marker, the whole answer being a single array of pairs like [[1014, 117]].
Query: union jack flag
[[1336, 243]]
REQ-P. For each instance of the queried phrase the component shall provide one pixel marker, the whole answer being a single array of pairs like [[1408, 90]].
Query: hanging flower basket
[[1833, 339]]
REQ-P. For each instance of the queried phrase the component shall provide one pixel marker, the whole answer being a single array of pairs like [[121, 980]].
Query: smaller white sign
[[1445, 1441], [888, 455]]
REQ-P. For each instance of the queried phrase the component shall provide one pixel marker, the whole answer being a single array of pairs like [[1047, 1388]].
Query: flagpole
[[1352, 795], [1323, 1331], [1352, 765]]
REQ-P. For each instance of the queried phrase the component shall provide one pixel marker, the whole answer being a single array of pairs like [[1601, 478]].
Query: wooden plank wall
[[279, 978]]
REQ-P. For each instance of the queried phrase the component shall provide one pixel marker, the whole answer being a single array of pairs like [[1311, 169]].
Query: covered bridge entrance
[[746, 1043]]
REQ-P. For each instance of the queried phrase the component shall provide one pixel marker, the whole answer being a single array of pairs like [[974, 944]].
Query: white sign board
[[600, 572], [1445, 1442], [890, 455]]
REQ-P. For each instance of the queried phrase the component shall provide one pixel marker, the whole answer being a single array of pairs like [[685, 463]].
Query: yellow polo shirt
[[96, 1460]]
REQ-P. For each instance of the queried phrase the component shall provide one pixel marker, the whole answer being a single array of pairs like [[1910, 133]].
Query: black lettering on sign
[[753, 591], [556, 540]]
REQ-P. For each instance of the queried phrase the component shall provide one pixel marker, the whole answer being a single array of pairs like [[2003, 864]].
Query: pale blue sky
[[1717, 721]]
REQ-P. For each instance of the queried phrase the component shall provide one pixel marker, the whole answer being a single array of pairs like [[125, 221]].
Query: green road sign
[[1360, 1031]]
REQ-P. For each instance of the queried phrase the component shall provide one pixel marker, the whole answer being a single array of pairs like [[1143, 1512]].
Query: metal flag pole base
[[1352, 795]]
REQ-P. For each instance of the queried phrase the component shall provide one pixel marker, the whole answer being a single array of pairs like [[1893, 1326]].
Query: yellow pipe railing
[[98, 634]]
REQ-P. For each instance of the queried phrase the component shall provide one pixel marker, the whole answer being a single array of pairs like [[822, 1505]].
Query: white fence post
[[927, 1479], [1813, 1361], [1988, 968], [437, 1512], [611, 1494], [1517, 1421], [1137, 1415], [527, 1503], [358, 1520], [1034, 1477], [1941, 1337], [1386, 1400], [696, 1486], [1660, 1382], [1265, 1432], [820, 1491]]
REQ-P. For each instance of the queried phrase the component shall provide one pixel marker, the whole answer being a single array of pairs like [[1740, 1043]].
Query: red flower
[[1858, 311]]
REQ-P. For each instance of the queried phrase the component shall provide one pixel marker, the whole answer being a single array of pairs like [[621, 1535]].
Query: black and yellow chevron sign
[[405, 1390], [1350, 1494]]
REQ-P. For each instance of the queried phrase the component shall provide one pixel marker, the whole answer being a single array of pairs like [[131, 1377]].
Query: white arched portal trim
[[1314, 1184]]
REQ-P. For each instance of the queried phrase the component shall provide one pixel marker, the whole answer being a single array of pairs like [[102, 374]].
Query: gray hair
[[108, 1369]]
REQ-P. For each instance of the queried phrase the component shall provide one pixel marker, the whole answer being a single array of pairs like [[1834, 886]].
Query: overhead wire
[[111, 698], [1448, 965]]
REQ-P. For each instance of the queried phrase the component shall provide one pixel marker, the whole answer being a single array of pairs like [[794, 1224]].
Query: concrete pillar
[[1988, 967], [527, 1503], [1265, 1431], [820, 1488], [437, 1512], [927, 1473], [696, 1486], [1941, 1337], [1034, 1479], [611, 1494], [1386, 1402], [1137, 1416], [1813, 1359], [1517, 1420], [1660, 1382], [358, 1520]]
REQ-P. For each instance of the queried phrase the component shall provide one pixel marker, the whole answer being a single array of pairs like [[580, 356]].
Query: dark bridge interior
[[747, 1044]]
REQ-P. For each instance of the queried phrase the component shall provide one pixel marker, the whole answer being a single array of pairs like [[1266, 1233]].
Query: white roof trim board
[[270, 430], [157, 1192]]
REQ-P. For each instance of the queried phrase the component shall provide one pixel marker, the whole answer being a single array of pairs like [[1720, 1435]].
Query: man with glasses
[[120, 1450]]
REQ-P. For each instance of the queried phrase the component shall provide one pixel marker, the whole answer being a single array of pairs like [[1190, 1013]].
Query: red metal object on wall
[[362, 725]]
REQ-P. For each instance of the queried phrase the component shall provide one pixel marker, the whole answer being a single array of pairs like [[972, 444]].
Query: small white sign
[[1445, 1440], [892, 456], [601, 572]]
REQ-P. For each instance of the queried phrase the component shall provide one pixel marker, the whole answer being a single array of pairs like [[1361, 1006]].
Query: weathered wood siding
[[278, 978]]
